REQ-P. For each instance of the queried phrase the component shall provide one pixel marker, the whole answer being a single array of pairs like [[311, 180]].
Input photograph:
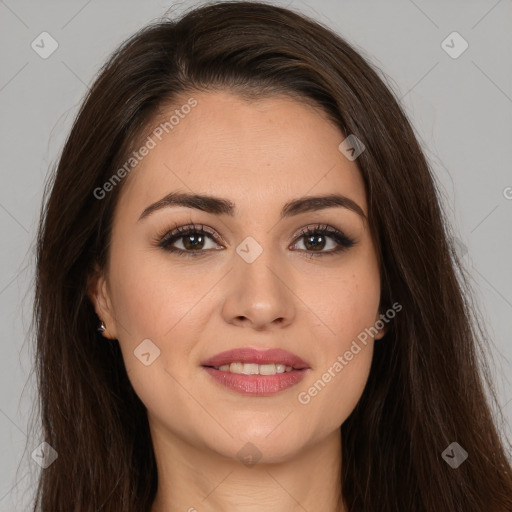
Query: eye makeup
[[193, 238]]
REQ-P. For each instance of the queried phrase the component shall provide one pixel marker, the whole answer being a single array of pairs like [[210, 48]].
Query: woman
[[247, 298]]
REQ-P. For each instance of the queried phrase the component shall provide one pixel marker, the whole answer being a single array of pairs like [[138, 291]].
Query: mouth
[[254, 368], [256, 372]]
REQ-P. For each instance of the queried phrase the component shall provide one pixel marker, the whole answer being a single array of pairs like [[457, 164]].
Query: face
[[302, 278]]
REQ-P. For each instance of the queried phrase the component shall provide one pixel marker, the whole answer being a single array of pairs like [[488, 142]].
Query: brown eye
[[193, 240], [317, 238]]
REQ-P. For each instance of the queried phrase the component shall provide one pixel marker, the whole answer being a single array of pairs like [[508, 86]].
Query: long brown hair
[[429, 377]]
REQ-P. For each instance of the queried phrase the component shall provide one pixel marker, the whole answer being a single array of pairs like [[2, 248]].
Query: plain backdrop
[[459, 105]]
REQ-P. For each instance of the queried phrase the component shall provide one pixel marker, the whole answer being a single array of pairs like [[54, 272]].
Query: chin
[[263, 448]]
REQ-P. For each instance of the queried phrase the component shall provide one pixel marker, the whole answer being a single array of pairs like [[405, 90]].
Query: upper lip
[[251, 355]]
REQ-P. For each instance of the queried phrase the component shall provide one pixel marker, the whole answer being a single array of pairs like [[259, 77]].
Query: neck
[[195, 480]]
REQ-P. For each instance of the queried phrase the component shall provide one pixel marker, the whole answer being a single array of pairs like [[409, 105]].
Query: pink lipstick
[[256, 372]]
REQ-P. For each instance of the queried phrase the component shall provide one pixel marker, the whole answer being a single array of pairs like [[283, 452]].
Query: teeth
[[247, 368], [280, 368], [270, 369], [255, 369]]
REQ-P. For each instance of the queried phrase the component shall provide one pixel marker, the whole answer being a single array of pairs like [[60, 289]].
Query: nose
[[259, 294]]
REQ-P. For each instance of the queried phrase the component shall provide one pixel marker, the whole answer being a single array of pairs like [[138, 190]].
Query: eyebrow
[[220, 206]]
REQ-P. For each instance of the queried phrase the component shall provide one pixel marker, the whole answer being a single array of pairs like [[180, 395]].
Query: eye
[[194, 240], [316, 238], [191, 238]]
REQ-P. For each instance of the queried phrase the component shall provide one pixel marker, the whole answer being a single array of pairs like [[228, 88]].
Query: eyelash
[[166, 239]]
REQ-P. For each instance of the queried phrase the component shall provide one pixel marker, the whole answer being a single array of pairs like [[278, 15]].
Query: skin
[[258, 155]]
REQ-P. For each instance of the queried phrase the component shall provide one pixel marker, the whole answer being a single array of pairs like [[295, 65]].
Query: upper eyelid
[[181, 231]]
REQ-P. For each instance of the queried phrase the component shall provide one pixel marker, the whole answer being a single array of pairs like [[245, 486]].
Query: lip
[[251, 355], [257, 385]]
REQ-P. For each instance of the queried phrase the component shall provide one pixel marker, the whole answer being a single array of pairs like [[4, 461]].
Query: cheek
[[334, 391], [349, 307], [152, 304], [350, 304], [157, 301], [335, 386], [151, 296]]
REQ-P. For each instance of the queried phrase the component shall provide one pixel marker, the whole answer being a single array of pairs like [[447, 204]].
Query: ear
[[384, 330], [97, 290]]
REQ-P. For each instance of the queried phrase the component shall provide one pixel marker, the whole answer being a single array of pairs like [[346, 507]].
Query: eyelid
[[161, 237], [314, 227], [343, 242]]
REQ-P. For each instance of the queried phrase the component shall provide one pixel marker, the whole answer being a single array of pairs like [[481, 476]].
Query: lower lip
[[257, 385]]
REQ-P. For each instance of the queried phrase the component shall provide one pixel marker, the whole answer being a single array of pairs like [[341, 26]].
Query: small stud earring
[[102, 326]]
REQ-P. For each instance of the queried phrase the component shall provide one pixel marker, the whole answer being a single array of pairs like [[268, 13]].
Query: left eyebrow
[[220, 206]]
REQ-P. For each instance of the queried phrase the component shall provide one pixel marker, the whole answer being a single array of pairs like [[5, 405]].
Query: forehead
[[256, 153]]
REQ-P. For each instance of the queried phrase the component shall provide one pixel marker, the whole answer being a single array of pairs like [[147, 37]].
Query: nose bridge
[[260, 292], [259, 265]]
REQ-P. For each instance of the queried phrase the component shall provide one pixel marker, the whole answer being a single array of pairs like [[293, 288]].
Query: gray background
[[460, 108]]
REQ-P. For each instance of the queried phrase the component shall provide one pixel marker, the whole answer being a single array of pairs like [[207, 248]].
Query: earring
[[102, 326]]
